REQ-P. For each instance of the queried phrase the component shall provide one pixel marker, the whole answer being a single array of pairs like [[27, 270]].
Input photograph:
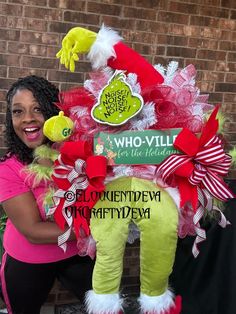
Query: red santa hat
[[109, 50]]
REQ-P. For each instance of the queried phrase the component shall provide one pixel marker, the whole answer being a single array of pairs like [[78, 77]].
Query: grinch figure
[[125, 93]]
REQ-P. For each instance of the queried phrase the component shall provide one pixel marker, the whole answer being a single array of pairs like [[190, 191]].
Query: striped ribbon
[[209, 162], [205, 202], [77, 177]]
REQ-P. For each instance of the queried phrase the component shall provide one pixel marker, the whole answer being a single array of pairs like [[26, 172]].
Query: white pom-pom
[[102, 49]]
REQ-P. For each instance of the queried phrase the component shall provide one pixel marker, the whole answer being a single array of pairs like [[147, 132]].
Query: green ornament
[[117, 103]]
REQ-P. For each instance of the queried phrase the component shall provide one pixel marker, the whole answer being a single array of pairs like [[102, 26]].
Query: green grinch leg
[[158, 237], [110, 232], [111, 236], [158, 226]]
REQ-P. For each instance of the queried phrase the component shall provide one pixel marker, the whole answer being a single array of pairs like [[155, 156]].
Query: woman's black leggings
[[26, 286]]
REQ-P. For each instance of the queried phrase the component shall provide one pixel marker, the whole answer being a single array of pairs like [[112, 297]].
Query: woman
[[32, 258]]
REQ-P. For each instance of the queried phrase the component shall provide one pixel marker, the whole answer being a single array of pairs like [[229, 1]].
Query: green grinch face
[[117, 103]]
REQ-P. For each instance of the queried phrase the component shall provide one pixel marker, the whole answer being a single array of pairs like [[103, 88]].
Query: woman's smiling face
[[27, 118]]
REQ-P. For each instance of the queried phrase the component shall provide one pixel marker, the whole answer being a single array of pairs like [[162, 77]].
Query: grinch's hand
[[77, 40]]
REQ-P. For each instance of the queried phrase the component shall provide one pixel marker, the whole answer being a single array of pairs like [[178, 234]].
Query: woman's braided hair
[[46, 95]]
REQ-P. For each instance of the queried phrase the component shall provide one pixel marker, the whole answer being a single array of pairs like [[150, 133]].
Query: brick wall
[[202, 32]]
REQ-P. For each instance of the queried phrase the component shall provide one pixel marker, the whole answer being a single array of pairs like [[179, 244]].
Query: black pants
[[208, 283], [28, 285]]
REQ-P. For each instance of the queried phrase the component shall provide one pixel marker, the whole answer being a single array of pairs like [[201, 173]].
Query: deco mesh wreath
[[141, 159]]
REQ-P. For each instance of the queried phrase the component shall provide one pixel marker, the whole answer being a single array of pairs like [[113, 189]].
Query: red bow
[[76, 170], [201, 165], [198, 173]]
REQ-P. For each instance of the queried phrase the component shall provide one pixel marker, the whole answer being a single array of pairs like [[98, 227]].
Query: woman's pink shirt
[[12, 183]]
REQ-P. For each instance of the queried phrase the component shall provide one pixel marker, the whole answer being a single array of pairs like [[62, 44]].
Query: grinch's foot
[[103, 303], [162, 304]]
